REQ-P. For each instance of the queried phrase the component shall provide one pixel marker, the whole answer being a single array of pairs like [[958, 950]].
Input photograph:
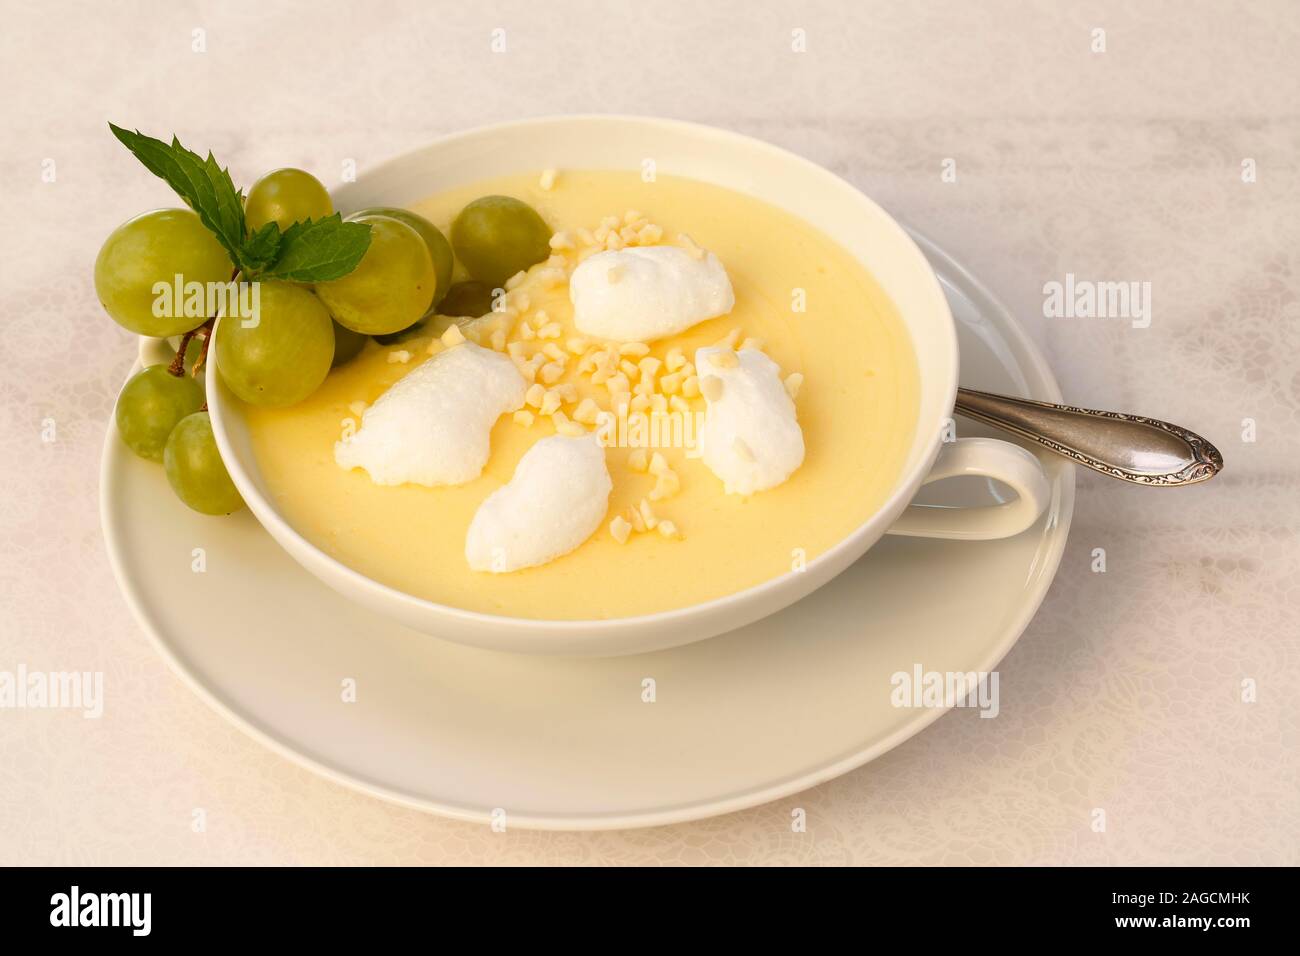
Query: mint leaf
[[261, 248], [205, 186], [311, 251], [319, 250]]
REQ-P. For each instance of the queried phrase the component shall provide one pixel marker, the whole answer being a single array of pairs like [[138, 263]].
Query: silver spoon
[[1145, 451]]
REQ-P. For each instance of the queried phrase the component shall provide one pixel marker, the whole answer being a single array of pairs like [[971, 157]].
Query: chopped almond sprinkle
[[585, 237], [562, 240], [691, 386], [534, 395], [649, 234], [636, 519], [690, 245], [550, 403], [724, 359], [647, 513], [358, 408], [515, 281], [551, 330], [551, 350], [792, 383], [659, 404], [711, 387], [517, 350], [564, 426], [499, 340], [729, 340], [567, 391], [576, 346], [551, 372], [679, 404], [637, 349], [620, 529], [658, 464], [618, 384], [399, 356], [640, 403], [668, 529], [636, 459], [524, 417], [526, 332], [670, 383], [528, 367], [547, 180], [649, 366], [453, 336], [629, 369], [666, 485], [586, 412], [675, 359]]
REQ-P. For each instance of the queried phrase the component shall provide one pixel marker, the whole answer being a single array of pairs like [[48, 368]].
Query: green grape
[[149, 252], [497, 236], [286, 196], [346, 344], [151, 404], [439, 247], [195, 470], [467, 300], [391, 288], [282, 358]]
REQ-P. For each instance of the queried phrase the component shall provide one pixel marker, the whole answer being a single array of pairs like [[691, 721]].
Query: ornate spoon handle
[[1129, 447]]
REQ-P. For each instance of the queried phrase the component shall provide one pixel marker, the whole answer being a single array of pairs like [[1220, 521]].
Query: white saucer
[[762, 712]]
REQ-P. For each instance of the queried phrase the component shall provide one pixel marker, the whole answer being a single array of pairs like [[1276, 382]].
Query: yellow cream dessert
[[769, 375]]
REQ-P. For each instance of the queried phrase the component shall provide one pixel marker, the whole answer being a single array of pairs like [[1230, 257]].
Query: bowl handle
[[987, 458]]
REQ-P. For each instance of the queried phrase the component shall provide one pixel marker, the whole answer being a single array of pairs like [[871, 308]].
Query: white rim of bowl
[[898, 499]]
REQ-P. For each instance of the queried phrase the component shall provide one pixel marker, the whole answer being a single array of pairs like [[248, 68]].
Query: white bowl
[[740, 163]]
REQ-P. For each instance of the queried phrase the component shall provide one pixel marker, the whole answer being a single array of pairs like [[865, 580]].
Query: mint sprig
[[261, 248], [312, 251], [319, 250]]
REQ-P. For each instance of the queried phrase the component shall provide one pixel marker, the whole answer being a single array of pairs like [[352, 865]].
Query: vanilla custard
[[672, 535]]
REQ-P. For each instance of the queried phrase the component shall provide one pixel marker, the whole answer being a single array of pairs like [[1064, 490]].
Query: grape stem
[[203, 350], [177, 367]]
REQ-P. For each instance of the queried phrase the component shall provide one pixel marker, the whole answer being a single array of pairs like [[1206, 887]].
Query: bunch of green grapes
[[161, 416], [155, 248], [282, 354]]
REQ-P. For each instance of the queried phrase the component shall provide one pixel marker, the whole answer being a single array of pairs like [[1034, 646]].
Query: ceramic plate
[[753, 715]]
